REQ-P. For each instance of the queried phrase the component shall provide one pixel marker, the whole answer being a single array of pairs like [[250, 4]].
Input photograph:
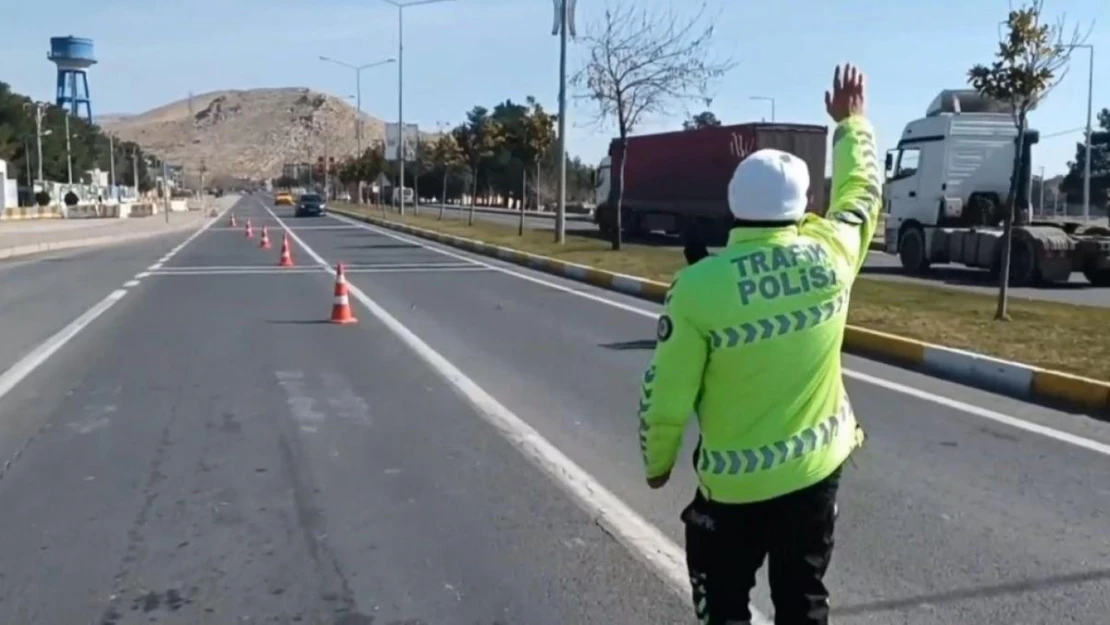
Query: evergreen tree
[[1072, 184]]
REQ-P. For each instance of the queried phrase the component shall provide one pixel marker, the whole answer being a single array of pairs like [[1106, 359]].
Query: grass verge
[[1064, 337]]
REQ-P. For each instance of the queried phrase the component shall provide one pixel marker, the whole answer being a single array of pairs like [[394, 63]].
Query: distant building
[[296, 171]]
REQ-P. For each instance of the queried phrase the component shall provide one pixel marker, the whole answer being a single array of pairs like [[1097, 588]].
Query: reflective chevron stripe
[[777, 325], [770, 456], [701, 597], [646, 392]]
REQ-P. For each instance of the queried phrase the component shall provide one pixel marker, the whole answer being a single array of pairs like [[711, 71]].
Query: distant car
[[311, 204], [283, 198]]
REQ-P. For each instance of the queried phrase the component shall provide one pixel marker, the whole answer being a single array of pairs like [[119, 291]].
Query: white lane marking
[[298, 271], [26, 365], [40, 354], [890, 385], [297, 228], [986, 413], [270, 267], [505, 270], [638, 535], [154, 267], [142, 274], [415, 269], [131, 283]]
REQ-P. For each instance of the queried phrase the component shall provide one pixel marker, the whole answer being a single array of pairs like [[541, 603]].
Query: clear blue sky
[[469, 52]]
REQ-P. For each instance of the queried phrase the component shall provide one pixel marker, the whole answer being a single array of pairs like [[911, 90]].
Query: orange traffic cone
[[233, 224], [341, 305], [265, 243], [249, 233], [286, 256]]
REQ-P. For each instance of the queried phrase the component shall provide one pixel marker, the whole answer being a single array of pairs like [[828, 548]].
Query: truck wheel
[[911, 251], [1023, 263], [1097, 277]]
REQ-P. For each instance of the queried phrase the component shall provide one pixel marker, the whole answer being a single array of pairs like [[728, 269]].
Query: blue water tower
[[73, 56]]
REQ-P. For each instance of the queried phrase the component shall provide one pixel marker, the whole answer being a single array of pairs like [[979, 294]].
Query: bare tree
[[1032, 58], [640, 63]]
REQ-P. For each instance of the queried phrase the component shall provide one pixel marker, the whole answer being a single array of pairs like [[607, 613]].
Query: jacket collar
[[743, 234]]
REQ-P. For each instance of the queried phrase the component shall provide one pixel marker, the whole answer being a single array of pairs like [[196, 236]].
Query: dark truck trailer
[[675, 181]]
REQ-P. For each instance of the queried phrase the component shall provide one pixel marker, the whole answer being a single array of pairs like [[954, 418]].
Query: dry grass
[[1048, 334]]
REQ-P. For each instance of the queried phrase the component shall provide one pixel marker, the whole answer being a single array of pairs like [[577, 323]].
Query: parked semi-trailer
[[945, 193], [675, 181]]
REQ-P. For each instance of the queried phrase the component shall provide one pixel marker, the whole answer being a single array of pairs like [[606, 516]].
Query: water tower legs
[[73, 93]]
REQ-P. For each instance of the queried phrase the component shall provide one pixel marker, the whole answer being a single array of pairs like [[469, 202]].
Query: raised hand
[[847, 97]]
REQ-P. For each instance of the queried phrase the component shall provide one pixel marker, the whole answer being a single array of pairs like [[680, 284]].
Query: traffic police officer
[[750, 340]]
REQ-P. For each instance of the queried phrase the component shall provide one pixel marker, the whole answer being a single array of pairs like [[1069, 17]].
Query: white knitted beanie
[[769, 185]]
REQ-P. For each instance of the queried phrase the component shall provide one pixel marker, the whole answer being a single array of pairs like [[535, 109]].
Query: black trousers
[[727, 543]]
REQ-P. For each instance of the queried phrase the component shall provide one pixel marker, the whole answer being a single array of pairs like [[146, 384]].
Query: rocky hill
[[247, 134]]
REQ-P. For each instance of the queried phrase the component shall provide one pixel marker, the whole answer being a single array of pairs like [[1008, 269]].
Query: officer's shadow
[[1019, 587], [630, 345]]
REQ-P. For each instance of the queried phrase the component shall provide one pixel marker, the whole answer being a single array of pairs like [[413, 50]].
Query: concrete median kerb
[[64, 244], [1003, 376]]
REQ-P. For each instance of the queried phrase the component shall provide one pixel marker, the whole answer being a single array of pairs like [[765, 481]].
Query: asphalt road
[[206, 450], [879, 265]]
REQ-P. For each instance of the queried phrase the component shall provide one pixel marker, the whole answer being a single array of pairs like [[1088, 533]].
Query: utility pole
[[327, 174], [166, 188], [112, 165], [27, 164], [401, 108], [135, 170], [401, 6], [69, 156], [358, 102], [192, 132], [38, 137], [1043, 211], [763, 98], [564, 22]]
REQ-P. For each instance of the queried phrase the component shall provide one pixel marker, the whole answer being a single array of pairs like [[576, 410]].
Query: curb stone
[[994, 374], [51, 246]]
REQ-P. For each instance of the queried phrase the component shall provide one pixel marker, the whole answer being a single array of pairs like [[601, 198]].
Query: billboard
[[391, 141]]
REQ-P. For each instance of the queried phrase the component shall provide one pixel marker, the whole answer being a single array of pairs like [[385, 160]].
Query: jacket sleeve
[[671, 383], [856, 191]]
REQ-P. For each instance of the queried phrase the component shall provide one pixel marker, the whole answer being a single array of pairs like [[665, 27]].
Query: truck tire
[[911, 250], [1097, 277], [1023, 262]]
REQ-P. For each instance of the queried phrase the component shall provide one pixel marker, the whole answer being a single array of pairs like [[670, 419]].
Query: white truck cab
[[946, 186], [951, 168], [602, 181]]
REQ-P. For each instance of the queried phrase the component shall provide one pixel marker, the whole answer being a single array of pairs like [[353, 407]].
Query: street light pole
[[38, 138], [69, 157], [112, 162], [135, 170], [564, 25], [358, 102], [764, 98], [401, 108], [1087, 157], [401, 6]]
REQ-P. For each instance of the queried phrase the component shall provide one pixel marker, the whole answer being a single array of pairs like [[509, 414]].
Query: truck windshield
[[905, 164]]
